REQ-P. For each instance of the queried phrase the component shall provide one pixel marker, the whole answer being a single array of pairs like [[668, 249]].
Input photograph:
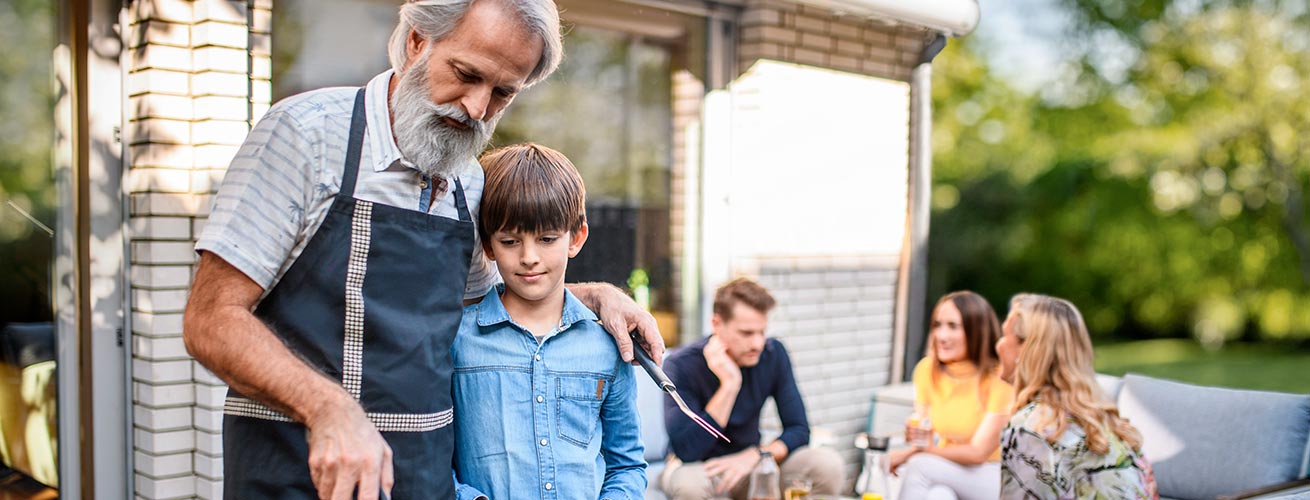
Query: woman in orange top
[[958, 386]]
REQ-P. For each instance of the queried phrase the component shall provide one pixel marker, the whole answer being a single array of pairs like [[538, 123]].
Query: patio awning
[[951, 17]]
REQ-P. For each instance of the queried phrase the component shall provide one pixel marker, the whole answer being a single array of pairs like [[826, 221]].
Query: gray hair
[[434, 19]]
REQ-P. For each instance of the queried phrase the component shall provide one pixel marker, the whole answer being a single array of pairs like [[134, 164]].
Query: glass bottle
[[918, 430], [764, 479], [873, 483]]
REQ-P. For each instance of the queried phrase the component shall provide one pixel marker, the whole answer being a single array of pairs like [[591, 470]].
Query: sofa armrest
[[1271, 491]]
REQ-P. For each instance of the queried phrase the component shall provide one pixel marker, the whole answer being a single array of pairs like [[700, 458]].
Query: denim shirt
[[556, 420]]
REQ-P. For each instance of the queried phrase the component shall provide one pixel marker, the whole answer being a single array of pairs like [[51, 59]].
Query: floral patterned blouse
[[1033, 468]]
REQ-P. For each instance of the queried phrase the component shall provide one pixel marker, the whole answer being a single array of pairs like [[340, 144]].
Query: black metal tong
[[662, 380]]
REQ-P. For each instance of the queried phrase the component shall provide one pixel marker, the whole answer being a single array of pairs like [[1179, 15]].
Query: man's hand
[[346, 451], [716, 356], [620, 315], [732, 468], [220, 331]]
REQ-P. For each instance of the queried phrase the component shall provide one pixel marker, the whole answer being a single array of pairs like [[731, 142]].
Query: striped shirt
[[283, 179]]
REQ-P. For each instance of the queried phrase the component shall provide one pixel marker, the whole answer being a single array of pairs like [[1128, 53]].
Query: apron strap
[[351, 171], [461, 205]]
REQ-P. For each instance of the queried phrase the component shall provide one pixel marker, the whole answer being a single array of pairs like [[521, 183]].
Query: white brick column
[[198, 78]]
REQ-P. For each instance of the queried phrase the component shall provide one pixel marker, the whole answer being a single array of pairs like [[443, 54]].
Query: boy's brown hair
[[530, 188], [745, 291]]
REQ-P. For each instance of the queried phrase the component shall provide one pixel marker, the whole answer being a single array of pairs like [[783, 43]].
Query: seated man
[[726, 378]]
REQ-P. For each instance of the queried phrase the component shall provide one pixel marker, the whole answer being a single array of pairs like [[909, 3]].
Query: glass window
[[608, 109], [28, 212]]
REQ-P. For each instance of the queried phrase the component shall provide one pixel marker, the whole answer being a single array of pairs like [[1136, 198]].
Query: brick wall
[[802, 34], [835, 317], [198, 78]]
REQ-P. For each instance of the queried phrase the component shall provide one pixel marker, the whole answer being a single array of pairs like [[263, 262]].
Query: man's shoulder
[[310, 105], [774, 345], [686, 364], [687, 353]]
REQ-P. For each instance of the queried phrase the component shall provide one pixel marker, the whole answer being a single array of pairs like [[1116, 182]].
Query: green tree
[[1164, 196]]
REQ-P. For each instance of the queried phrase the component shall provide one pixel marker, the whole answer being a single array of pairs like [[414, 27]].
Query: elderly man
[[339, 252], [727, 378]]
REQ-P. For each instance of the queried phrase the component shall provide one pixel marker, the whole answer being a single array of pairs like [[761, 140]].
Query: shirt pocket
[[577, 408]]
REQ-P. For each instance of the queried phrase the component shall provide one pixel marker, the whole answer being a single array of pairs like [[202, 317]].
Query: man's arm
[[719, 407], [687, 441], [620, 315], [221, 331], [791, 409]]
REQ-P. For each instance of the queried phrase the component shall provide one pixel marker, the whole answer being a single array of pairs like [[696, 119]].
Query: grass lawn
[[1239, 365]]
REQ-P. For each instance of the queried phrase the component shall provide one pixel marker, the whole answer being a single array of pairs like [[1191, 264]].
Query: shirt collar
[[492, 311], [377, 113]]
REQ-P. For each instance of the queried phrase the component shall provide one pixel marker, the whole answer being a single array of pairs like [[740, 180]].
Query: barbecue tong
[[667, 386]]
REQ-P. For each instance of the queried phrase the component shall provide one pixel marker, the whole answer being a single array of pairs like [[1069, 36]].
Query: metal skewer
[[667, 386]]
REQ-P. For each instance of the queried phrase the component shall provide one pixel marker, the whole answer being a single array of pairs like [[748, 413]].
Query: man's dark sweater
[[772, 377]]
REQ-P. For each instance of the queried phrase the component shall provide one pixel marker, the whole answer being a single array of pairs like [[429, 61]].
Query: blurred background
[[1146, 159]]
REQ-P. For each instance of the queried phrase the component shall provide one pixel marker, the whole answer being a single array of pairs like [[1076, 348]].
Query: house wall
[[198, 77]]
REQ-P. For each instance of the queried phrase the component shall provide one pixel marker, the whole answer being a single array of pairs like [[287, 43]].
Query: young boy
[[544, 405]]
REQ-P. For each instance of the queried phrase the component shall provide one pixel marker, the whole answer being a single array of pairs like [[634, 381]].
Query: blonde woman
[[958, 385], [1065, 440]]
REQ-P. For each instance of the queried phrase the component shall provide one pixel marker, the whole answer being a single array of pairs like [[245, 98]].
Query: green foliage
[[27, 188], [1165, 200], [1240, 365]]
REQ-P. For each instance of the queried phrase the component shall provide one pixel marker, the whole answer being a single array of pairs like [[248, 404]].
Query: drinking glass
[[797, 489]]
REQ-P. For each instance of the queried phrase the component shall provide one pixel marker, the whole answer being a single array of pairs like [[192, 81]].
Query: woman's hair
[[981, 330], [1055, 369]]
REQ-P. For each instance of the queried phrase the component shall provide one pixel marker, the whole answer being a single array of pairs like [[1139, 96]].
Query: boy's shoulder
[[590, 330], [470, 316]]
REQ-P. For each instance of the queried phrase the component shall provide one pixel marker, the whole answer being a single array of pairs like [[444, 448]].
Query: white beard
[[435, 148]]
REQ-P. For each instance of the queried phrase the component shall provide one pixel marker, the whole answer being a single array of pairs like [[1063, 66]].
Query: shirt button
[[543, 442], [537, 357], [549, 486], [540, 399]]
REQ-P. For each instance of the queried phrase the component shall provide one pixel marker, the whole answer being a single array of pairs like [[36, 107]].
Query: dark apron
[[373, 301]]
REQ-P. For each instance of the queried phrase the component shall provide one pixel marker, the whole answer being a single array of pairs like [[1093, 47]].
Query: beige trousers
[[824, 468]]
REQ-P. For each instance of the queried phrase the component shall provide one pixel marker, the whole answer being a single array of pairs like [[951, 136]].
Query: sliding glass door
[[30, 224]]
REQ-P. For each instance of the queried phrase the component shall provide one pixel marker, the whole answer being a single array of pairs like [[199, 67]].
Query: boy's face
[[533, 264]]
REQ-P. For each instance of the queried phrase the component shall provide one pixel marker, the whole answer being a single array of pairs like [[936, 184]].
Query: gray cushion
[[650, 404], [1110, 385], [1299, 494], [1207, 441]]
